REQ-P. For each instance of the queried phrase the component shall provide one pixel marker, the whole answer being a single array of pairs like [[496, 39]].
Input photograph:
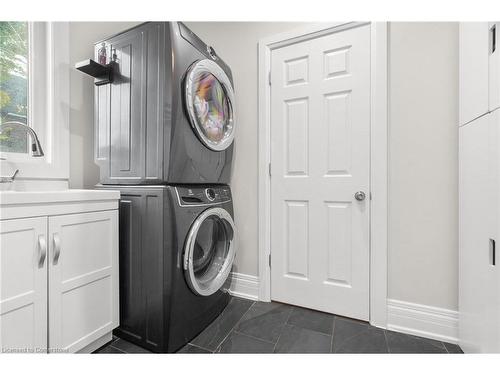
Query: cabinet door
[[492, 264], [141, 266], [127, 100], [473, 70], [474, 231], [129, 111], [494, 66], [479, 231], [23, 285], [83, 278]]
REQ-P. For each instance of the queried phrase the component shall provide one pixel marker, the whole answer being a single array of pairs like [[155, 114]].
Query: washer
[[175, 117], [177, 246]]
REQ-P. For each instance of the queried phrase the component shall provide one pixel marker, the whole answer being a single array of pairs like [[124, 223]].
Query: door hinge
[[269, 169], [269, 78], [269, 260]]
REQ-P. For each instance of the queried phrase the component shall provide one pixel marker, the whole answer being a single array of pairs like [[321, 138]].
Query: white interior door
[[320, 139], [23, 285]]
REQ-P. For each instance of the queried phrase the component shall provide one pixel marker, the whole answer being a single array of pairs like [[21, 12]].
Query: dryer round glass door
[[209, 251], [209, 98]]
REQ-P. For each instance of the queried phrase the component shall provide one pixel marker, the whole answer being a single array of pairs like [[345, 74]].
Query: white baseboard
[[244, 286], [405, 317], [421, 320]]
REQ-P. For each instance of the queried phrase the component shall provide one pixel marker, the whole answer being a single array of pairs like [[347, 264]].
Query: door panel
[[23, 285], [320, 129], [83, 285]]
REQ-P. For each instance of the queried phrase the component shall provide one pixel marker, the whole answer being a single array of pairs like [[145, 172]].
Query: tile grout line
[[430, 343], [253, 337], [309, 330], [232, 329], [386, 341], [197, 346], [120, 350], [351, 337], [283, 326], [333, 333]]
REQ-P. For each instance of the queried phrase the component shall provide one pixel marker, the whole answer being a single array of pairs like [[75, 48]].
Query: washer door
[[210, 104], [209, 251]]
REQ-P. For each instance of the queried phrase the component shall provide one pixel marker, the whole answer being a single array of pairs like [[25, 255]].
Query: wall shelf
[[103, 74]]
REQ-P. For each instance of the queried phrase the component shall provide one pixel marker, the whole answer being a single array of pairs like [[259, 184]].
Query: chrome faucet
[[36, 147]]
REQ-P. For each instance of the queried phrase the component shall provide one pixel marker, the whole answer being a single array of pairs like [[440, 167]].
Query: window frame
[[48, 103]]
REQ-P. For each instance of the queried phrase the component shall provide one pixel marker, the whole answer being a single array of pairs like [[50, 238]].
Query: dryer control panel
[[202, 195]]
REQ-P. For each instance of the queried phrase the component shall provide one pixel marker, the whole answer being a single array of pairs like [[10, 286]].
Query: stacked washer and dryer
[[164, 130]]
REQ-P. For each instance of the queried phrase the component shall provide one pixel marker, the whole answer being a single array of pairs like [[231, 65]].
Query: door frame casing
[[378, 155]]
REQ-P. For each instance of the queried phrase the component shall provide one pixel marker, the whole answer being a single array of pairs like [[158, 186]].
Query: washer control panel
[[197, 195]]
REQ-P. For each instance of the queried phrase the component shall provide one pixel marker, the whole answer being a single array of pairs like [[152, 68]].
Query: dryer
[[177, 246], [168, 116]]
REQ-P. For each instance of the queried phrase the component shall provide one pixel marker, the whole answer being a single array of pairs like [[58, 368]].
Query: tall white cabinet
[[479, 188], [58, 271]]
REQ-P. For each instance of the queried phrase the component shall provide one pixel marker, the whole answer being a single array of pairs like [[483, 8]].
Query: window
[[34, 90], [14, 84]]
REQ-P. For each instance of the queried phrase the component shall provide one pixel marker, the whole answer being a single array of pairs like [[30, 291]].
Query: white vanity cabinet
[[59, 270]]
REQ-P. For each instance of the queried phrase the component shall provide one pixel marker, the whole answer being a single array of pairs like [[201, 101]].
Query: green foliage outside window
[[14, 52]]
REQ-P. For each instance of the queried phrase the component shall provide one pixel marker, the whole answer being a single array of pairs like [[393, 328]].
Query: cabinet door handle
[[492, 252], [57, 247], [493, 31], [42, 250]]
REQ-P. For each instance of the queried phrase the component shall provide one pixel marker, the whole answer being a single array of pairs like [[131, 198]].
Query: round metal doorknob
[[360, 195]]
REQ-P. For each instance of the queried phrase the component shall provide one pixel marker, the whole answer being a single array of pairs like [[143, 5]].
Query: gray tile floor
[[257, 327]]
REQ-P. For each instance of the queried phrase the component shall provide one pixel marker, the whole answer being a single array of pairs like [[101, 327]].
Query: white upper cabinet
[[494, 66], [473, 70]]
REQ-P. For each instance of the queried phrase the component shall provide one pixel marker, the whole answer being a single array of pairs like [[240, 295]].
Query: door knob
[[360, 195]]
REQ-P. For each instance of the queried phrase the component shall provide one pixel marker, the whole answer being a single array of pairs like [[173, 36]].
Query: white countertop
[[56, 196]]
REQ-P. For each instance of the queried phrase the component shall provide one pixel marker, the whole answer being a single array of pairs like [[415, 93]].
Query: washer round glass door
[[209, 98], [209, 251]]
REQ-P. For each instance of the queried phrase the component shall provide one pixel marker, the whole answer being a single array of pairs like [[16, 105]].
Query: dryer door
[[209, 251], [209, 98]]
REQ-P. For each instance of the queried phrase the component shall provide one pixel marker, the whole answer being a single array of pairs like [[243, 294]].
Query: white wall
[[423, 142], [82, 36], [423, 167]]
